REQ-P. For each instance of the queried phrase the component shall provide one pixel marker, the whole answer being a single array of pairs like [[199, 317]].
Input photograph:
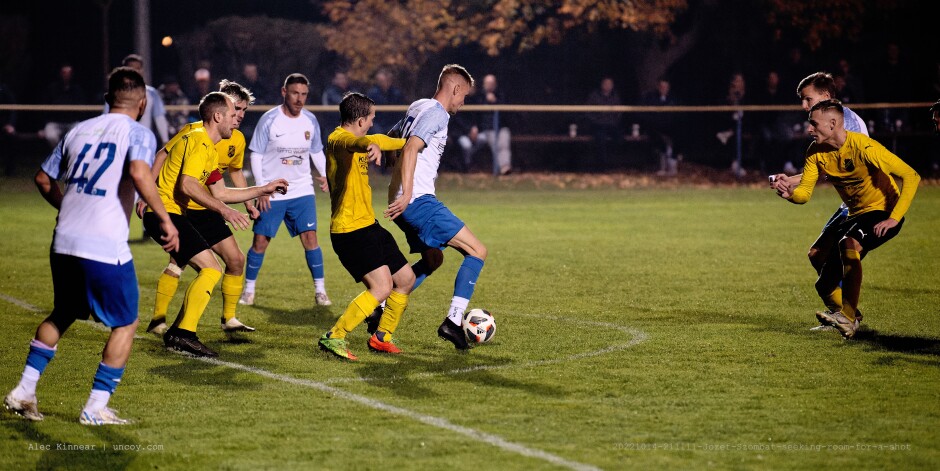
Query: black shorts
[[191, 241], [210, 225], [366, 249], [831, 234], [862, 229]]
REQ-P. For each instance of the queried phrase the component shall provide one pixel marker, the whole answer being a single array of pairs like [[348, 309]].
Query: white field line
[[494, 440]]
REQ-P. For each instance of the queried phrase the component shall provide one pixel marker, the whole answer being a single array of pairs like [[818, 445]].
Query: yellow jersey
[[347, 171], [862, 172], [231, 151], [194, 155]]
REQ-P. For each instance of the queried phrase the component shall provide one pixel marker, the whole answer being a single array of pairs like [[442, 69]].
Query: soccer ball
[[479, 325]]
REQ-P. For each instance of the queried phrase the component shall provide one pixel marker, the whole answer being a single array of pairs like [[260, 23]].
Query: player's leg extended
[[828, 284], [108, 376], [828, 239], [22, 399], [199, 291], [395, 304], [378, 286], [474, 254], [167, 285], [852, 276], [233, 277]]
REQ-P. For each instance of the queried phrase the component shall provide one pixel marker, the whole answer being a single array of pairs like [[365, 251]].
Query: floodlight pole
[[142, 35]]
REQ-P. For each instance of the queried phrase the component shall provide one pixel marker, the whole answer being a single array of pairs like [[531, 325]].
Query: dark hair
[[132, 58], [826, 105], [296, 78], [355, 105], [236, 90], [454, 69], [821, 81], [214, 102], [123, 80]]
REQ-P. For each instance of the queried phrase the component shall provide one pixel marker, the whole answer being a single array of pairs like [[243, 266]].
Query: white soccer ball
[[479, 325]]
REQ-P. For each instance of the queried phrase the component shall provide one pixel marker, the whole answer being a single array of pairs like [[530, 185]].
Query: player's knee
[[235, 263], [381, 290], [60, 320], [481, 252], [403, 280], [433, 258]]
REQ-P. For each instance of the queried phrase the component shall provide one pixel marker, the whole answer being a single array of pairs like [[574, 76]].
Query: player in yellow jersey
[[209, 224], [863, 172], [367, 251], [191, 166]]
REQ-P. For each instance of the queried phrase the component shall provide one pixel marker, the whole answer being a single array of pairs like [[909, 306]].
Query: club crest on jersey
[[307, 135], [231, 151], [848, 164]]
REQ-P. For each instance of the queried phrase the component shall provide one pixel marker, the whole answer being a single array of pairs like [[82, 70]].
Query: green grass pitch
[[642, 328]]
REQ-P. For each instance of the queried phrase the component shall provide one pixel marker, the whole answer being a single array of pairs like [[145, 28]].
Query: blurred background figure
[[488, 128], [173, 95], [384, 92], [62, 91], [202, 86], [661, 126], [339, 86], [605, 127], [261, 89]]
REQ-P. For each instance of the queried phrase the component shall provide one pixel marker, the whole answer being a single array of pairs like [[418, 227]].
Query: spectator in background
[[261, 89], [737, 91], [774, 128], [155, 113], [852, 90], [7, 129], [202, 86], [605, 127], [63, 91], [334, 92], [384, 92], [892, 81], [488, 128], [173, 95], [660, 126]]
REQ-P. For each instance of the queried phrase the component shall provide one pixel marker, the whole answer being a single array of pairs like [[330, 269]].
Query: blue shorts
[[82, 287], [428, 224], [298, 214]]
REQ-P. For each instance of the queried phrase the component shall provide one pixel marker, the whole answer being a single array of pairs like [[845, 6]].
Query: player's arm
[[196, 191], [48, 188], [239, 180], [224, 194], [804, 191], [910, 180], [409, 159], [319, 162], [147, 189]]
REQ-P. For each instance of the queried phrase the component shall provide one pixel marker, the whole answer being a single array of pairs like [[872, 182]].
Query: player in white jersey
[[154, 116], [428, 225], [813, 89], [285, 140], [101, 161]]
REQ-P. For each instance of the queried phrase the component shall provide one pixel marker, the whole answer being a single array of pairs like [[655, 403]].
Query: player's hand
[[776, 178], [883, 227], [375, 154], [264, 203], [275, 186], [171, 239], [238, 220], [141, 209], [253, 212], [397, 207], [324, 185]]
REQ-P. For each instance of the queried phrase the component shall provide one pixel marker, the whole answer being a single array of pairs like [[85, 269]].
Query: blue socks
[[467, 276], [107, 378], [315, 262], [39, 356], [421, 273], [253, 264]]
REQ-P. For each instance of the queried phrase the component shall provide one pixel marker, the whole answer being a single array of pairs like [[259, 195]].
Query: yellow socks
[[231, 291], [355, 313], [197, 298], [851, 282], [166, 289], [394, 307]]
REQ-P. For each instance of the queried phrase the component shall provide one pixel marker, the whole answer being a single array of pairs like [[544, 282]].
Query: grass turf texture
[[713, 281]]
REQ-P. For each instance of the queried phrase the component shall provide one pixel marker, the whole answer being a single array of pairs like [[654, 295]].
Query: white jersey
[[426, 119], [154, 114], [287, 145], [91, 160], [854, 122]]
